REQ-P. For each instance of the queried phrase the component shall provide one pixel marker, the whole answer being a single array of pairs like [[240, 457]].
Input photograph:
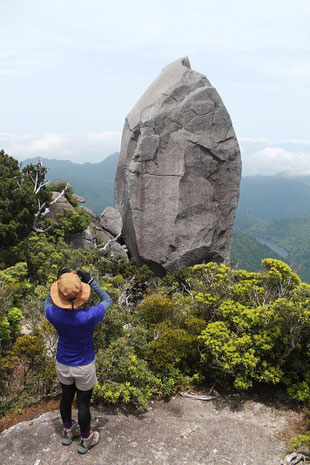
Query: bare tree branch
[[40, 230], [115, 239], [38, 215], [47, 210]]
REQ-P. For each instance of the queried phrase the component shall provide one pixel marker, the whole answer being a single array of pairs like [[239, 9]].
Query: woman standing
[[75, 358]]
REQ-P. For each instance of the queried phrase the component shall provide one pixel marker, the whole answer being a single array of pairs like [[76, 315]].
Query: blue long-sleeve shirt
[[76, 327]]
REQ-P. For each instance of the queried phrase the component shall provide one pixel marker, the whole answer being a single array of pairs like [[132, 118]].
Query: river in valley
[[273, 246]]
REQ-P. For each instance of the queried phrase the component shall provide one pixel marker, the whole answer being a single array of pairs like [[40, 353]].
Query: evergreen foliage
[[18, 203], [59, 186], [209, 323]]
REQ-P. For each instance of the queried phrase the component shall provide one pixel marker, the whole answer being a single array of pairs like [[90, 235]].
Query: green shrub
[[36, 367], [58, 186], [29, 349], [172, 347], [206, 323], [264, 338], [194, 325], [74, 222], [11, 293], [111, 327], [156, 308], [123, 377]]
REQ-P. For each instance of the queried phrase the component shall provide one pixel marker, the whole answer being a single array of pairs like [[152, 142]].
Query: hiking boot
[[69, 434], [88, 443]]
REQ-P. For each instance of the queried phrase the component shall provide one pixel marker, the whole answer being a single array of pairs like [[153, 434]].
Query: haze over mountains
[[267, 208]]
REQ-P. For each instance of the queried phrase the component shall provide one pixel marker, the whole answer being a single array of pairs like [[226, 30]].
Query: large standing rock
[[178, 175]]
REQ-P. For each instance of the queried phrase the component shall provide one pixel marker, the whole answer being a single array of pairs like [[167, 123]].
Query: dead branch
[[37, 184], [115, 239], [38, 215], [40, 230], [47, 210], [188, 291]]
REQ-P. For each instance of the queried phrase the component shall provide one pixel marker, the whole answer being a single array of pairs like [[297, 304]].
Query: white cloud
[[92, 147], [292, 70], [276, 160]]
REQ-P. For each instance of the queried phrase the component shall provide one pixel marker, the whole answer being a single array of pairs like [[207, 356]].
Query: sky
[[71, 70]]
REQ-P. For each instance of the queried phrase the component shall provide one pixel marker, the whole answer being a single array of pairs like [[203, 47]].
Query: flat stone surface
[[182, 431]]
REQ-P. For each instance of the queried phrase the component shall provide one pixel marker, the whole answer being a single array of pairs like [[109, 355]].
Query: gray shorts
[[83, 376]]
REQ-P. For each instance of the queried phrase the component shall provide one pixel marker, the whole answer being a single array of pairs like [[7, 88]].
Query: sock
[[68, 425]]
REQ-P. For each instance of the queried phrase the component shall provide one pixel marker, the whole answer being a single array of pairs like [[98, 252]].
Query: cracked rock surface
[[182, 431], [178, 174]]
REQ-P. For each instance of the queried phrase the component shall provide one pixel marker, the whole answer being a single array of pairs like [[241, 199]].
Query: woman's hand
[[85, 276], [62, 271]]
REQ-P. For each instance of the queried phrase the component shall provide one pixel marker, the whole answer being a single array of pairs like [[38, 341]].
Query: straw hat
[[69, 291]]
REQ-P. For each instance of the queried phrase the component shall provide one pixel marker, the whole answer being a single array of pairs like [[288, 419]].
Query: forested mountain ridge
[[275, 209], [273, 197], [93, 181]]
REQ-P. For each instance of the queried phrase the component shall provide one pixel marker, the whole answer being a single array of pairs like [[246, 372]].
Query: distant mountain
[[93, 181], [273, 197]]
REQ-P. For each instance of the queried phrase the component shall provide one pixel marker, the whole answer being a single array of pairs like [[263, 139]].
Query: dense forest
[[290, 234], [209, 323]]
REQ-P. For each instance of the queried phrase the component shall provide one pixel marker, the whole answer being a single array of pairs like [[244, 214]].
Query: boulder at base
[[111, 221], [178, 174]]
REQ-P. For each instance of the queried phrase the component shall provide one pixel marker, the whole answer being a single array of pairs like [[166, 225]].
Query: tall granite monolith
[[178, 174]]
